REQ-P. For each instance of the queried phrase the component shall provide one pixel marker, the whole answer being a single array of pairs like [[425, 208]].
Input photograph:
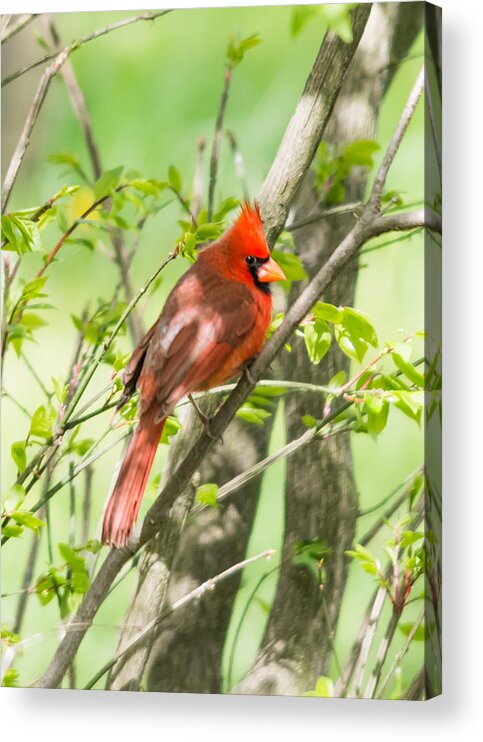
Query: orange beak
[[270, 271]]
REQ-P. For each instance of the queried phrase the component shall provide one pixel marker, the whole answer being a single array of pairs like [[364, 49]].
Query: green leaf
[[33, 289], [317, 337], [71, 162], [174, 178], [328, 312], [32, 321], [14, 498], [108, 182], [338, 380], [10, 678], [27, 519], [71, 557], [309, 421], [360, 153], [209, 231], [227, 205], [45, 588], [171, 427], [238, 47], [310, 554], [21, 234], [338, 19], [358, 326], [352, 346], [407, 628], [19, 455], [408, 538], [291, 265], [149, 187], [377, 414], [11, 530], [301, 15], [253, 415], [207, 494], [9, 637], [80, 581], [408, 370], [324, 688], [42, 421]]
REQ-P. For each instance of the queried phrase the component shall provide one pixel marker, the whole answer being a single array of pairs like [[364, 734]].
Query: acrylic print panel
[[279, 532]]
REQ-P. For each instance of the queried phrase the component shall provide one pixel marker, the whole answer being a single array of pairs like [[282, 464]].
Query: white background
[[71, 715]]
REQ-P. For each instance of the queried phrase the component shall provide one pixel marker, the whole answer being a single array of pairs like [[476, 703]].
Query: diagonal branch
[[194, 595]]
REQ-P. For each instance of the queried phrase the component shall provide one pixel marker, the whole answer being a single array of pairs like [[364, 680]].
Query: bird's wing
[[193, 338], [135, 365]]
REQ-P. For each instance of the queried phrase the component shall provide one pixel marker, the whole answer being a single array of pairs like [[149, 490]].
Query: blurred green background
[[152, 90]]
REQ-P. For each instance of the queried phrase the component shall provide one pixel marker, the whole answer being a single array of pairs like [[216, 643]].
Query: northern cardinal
[[214, 321]]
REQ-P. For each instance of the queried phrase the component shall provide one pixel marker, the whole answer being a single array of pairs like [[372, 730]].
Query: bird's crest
[[247, 233]]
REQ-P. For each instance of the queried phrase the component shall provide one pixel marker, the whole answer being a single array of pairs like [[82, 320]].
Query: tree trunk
[[321, 498]]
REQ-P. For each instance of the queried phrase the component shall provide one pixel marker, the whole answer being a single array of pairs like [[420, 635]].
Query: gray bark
[[321, 497]]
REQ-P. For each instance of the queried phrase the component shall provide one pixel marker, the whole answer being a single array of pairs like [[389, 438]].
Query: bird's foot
[[248, 374], [205, 421]]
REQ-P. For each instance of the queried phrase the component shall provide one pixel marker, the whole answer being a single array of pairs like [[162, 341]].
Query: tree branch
[[32, 116], [194, 595], [215, 150], [23, 23], [78, 44]]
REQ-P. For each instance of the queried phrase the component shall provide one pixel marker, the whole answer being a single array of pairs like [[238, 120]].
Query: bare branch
[[396, 140], [215, 151], [32, 116], [195, 594], [78, 44], [400, 655], [23, 23]]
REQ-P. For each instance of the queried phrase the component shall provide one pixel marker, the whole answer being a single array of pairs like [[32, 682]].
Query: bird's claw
[[248, 374], [206, 422]]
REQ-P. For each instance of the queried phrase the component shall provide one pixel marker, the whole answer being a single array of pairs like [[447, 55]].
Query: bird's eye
[[250, 260]]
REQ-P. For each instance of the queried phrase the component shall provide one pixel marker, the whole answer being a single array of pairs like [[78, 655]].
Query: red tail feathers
[[125, 501]]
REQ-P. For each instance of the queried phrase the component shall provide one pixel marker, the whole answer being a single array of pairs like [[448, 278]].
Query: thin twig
[[95, 205], [195, 594], [24, 140], [382, 651], [257, 586], [215, 150], [393, 492], [325, 214], [400, 655], [86, 504], [78, 44], [366, 636], [198, 178], [396, 140], [78, 104], [23, 23]]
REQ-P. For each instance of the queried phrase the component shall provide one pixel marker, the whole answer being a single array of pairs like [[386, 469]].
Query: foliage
[[106, 216]]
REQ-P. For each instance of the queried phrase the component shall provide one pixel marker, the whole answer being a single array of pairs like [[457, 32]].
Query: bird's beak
[[270, 271]]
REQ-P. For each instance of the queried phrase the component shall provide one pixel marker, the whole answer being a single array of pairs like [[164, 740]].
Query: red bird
[[214, 321]]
